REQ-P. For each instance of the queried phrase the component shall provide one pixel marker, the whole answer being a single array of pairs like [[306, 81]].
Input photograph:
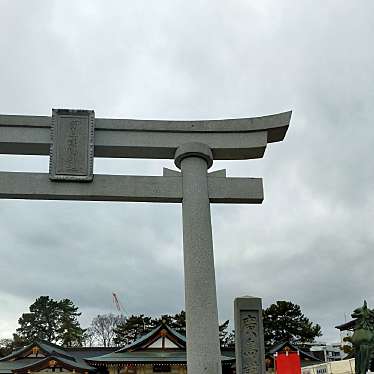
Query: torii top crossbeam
[[230, 139]]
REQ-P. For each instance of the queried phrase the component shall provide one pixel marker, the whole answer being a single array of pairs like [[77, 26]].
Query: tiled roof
[[82, 358], [76, 364], [347, 325], [46, 347], [87, 352], [15, 361], [142, 340], [146, 356], [277, 347], [8, 366], [136, 353]]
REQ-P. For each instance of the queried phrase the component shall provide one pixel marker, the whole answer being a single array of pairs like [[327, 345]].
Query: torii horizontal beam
[[161, 189], [229, 139]]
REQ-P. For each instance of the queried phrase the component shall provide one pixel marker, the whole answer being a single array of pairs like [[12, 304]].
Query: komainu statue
[[363, 337]]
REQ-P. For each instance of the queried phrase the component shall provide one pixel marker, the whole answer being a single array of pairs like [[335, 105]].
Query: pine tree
[[132, 328], [176, 322], [284, 321], [69, 333], [227, 339], [51, 320], [179, 320], [6, 347], [41, 322]]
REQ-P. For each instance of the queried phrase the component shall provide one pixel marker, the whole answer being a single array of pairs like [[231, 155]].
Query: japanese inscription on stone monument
[[72, 145], [249, 338], [250, 342]]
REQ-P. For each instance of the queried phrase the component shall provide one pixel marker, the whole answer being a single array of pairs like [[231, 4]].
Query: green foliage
[[132, 328], [285, 321], [41, 322], [6, 347], [57, 322], [51, 320], [227, 339], [176, 322], [69, 332], [135, 326], [179, 322]]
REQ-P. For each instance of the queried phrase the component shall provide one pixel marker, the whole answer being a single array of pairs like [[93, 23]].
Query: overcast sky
[[310, 242]]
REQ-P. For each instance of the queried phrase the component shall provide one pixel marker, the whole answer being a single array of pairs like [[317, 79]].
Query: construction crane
[[117, 304]]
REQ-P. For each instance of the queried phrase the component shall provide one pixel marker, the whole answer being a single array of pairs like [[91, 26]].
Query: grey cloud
[[310, 241]]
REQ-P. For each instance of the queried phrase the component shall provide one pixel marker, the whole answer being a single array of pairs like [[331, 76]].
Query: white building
[[327, 352]]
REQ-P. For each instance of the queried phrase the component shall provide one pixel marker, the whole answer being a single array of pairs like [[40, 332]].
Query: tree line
[[56, 321]]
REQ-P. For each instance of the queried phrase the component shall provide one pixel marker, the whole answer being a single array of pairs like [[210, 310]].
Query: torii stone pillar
[[74, 137], [200, 286]]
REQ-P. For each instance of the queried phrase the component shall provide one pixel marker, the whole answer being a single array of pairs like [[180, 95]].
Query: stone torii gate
[[73, 137]]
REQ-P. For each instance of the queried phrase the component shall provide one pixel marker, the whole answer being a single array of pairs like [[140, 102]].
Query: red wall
[[287, 363]]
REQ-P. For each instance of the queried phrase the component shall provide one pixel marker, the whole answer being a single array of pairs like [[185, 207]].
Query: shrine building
[[163, 350], [306, 358]]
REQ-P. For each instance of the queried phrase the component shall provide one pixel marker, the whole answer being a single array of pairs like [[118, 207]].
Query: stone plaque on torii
[[73, 138]]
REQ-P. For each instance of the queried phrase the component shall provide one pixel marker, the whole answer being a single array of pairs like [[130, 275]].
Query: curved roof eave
[[67, 362], [144, 338]]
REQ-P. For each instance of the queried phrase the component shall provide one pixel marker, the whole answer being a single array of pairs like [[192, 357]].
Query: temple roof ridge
[[47, 347], [278, 346], [143, 339]]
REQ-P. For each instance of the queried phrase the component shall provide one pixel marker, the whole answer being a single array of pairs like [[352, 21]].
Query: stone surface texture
[[194, 149], [203, 350], [230, 139], [249, 336], [72, 145], [158, 189]]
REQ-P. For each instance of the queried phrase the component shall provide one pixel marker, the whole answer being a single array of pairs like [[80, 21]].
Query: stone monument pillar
[[203, 350], [249, 336]]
